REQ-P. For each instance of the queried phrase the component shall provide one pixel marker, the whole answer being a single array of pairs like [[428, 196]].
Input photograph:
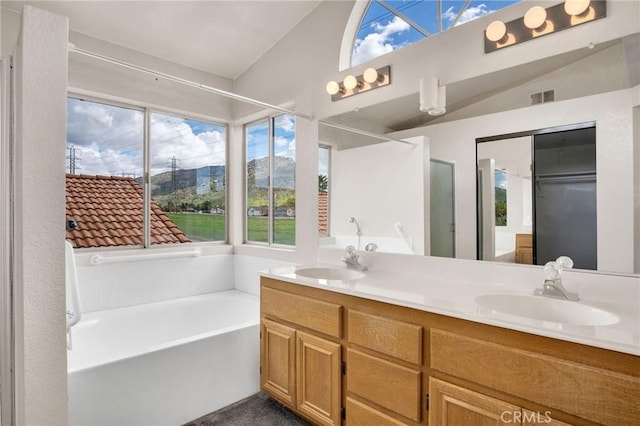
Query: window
[[501, 197], [270, 181], [389, 25], [105, 193], [324, 155], [188, 175]]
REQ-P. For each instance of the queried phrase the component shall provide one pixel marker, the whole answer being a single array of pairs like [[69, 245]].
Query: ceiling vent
[[542, 97]]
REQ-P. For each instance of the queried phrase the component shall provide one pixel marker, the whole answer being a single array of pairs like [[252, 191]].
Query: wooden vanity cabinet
[[524, 248], [339, 359], [302, 369]]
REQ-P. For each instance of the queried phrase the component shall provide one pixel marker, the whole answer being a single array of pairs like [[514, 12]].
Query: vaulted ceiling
[[221, 37]]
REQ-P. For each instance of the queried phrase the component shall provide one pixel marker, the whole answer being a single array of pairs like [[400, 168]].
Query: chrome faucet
[[552, 286], [351, 259]]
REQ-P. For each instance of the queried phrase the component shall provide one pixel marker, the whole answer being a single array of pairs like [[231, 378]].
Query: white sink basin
[[547, 309], [327, 273]]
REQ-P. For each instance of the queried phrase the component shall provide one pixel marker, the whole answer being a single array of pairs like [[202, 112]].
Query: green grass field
[[207, 227]]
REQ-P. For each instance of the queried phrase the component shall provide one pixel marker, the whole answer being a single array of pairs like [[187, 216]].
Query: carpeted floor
[[256, 410]]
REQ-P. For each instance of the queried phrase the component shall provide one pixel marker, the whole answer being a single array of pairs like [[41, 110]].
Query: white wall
[[612, 112], [115, 285], [40, 361], [379, 185], [247, 268]]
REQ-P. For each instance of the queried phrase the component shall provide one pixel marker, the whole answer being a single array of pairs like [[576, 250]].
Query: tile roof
[[109, 210], [323, 214]]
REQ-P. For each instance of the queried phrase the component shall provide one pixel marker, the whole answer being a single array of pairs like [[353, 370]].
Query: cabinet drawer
[[391, 337], [317, 315], [592, 393], [359, 414], [384, 383]]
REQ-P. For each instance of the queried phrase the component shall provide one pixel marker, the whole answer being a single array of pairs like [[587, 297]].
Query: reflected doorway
[[442, 208]]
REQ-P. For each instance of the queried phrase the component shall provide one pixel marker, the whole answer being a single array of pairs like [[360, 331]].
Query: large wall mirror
[[422, 198]]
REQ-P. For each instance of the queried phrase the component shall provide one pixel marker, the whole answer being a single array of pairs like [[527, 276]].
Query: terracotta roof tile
[[108, 210], [323, 214]]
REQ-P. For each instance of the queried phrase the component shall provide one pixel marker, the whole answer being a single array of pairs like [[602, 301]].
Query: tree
[[323, 183]]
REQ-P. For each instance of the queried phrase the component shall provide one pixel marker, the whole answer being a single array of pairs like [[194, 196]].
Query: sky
[[108, 140], [284, 137]]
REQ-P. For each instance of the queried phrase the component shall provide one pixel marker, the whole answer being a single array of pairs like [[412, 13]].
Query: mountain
[[164, 183], [283, 175]]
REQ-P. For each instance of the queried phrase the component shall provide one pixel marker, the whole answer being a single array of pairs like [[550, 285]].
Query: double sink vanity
[[380, 347]]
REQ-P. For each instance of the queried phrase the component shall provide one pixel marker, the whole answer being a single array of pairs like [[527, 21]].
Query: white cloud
[[286, 122], [285, 147], [174, 138], [469, 14], [109, 141], [378, 42]]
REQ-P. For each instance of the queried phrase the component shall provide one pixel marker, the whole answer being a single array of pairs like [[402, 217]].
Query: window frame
[[270, 119], [147, 110]]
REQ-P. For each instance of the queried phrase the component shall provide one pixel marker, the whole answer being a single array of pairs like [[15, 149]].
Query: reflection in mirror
[[597, 85], [504, 199], [324, 156], [377, 195], [537, 198]]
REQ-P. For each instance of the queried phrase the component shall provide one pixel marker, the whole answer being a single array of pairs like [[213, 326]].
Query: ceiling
[[231, 35]]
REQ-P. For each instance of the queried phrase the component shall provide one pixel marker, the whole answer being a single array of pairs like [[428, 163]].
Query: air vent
[[542, 97]]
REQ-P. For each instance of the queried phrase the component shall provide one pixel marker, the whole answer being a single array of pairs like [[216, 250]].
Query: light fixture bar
[[364, 132], [539, 21], [186, 82], [353, 85]]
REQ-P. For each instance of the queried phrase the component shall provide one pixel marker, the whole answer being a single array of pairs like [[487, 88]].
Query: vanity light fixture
[[539, 21], [372, 78]]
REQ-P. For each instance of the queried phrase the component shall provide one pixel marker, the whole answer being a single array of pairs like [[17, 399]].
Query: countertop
[[457, 298]]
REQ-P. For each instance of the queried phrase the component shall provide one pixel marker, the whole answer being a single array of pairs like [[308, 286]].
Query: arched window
[[386, 25]]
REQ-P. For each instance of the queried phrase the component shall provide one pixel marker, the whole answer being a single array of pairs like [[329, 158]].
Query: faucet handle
[[351, 250], [551, 271], [564, 262]]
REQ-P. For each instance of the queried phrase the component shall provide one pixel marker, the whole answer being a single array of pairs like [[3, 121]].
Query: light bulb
[[496, 30], [350, 82], [333, 87], [535, 17], [370, 75], [576, 7]]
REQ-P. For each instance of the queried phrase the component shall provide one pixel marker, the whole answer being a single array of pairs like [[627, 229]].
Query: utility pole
[[174, 183], [174, 170], [72, 157]]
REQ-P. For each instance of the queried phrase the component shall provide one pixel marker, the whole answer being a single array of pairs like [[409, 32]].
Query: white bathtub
[[164, 363]]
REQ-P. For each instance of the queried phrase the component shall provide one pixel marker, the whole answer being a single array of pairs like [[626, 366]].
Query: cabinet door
[[452, 405], [278, 361], [319, 377]]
